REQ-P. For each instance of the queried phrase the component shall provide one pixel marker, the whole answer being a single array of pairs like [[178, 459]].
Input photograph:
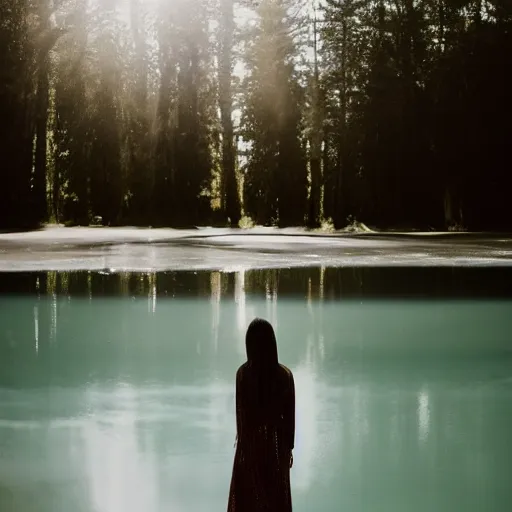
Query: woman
[[265, 422]]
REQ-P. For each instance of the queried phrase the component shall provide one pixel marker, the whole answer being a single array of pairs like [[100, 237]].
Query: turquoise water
[[117, 391]]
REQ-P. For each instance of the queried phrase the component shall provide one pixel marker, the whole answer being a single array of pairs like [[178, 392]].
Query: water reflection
[[308, 417], [311, 283], [423, 416], [121, 477], [240, 299], [36, 326], [127, 400]]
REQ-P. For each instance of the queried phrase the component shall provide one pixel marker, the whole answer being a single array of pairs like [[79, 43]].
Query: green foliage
[[401, 81], [275, 176], [246, 223]]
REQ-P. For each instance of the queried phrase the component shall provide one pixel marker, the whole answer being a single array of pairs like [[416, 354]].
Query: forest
[[394, 113]]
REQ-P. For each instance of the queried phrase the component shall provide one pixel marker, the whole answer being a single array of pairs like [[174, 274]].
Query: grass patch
[[246, 223]]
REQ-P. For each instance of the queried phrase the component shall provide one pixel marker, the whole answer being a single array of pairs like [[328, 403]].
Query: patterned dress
[[265, 414]]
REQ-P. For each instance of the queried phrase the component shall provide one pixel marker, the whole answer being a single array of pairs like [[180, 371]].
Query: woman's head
[[260, 343]]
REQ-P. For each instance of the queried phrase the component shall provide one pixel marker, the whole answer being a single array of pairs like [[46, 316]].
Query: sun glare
[[146, 5]]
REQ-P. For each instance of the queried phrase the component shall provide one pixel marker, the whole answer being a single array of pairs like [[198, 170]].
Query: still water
[[117, 391]]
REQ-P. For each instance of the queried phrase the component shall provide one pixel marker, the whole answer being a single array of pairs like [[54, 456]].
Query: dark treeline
[[395, 113]]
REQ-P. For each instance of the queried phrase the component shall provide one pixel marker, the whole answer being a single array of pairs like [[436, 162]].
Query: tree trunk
[[230, 201], [316, 144], [39, 177], [339, 218]]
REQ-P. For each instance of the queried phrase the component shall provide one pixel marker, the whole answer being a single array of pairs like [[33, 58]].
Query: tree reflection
[[324, 283]]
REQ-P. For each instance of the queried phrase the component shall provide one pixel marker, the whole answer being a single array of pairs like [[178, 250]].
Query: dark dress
[[265, 438]]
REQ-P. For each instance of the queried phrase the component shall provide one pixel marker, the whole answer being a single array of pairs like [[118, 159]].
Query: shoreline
[[160, 249]]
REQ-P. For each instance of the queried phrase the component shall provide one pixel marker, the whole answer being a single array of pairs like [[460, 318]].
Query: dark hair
[[261, 346], [260, 343]]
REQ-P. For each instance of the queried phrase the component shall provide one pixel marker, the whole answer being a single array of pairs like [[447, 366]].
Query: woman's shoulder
[[286, 370], [242, 368]]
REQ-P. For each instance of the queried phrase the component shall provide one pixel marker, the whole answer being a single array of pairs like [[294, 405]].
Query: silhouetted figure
[[265, 422]]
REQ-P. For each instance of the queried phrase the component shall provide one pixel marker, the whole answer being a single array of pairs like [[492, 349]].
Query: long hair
[[261, 346]]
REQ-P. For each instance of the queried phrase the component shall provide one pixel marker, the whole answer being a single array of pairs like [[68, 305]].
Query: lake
[[117, 389]]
